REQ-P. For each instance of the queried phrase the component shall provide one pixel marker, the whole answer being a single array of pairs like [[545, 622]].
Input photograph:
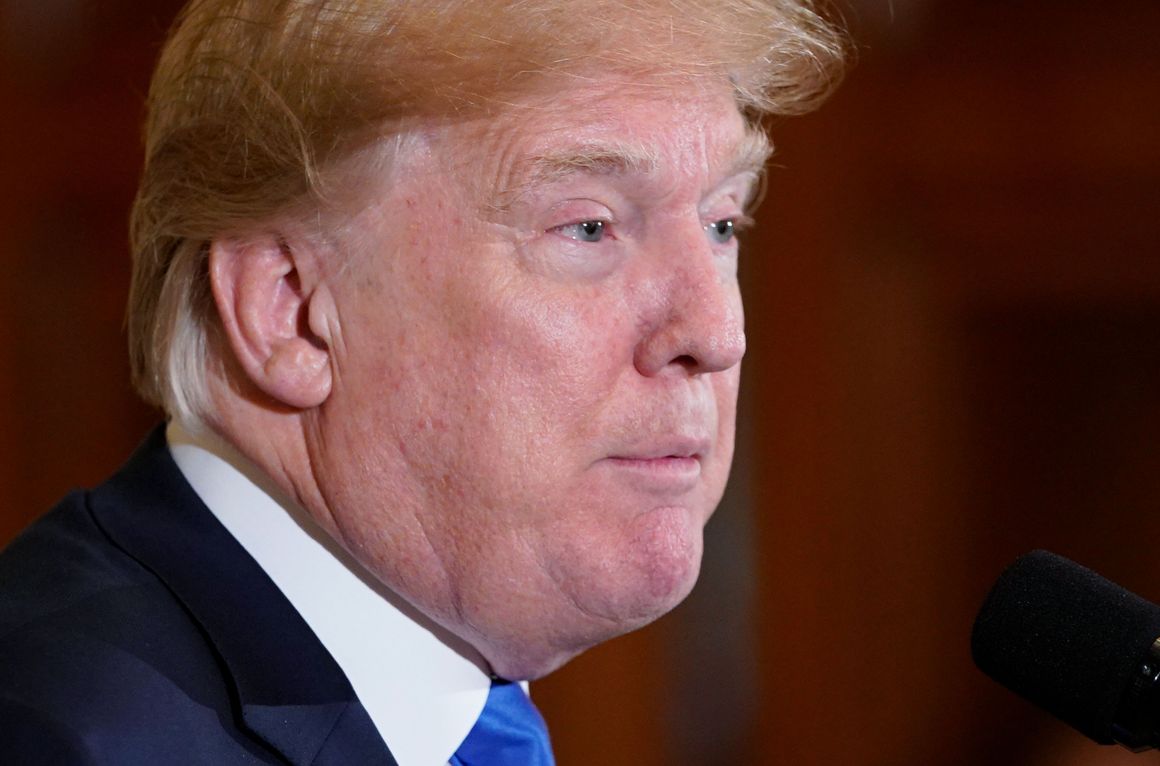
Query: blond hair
[[254, 102]]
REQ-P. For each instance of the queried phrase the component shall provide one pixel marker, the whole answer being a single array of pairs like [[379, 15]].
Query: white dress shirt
[[422, 694]]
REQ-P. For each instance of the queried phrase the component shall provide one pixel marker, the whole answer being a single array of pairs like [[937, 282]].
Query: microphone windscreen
[[1064, 638]]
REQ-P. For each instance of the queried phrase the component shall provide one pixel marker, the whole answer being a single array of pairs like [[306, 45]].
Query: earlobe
[[264, 292]]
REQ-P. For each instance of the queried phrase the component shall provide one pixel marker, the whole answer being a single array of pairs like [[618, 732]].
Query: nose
[[698, 326]]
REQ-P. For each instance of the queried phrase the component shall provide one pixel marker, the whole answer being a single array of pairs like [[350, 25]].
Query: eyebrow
[[752, 153], [750, 156], [595, 160]]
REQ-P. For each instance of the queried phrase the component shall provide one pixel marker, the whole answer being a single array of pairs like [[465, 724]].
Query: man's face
[[536, 360]]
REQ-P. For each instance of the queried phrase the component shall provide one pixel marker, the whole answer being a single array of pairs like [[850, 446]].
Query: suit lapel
[[291, 691]]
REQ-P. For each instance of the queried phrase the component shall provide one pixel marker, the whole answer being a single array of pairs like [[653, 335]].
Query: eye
[[584, 231], [722, 231]]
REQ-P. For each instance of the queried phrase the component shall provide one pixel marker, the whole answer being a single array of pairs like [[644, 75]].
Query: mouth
[[668, 467], [677, 463]]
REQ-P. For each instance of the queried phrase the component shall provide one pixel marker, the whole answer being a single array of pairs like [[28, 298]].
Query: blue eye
[[721, 231], [584, 231]]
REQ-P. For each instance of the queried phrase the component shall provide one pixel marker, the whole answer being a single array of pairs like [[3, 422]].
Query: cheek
[[498, 390], [541, 358]]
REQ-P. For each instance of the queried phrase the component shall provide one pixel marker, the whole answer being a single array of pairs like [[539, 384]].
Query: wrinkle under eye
[[584, 231]]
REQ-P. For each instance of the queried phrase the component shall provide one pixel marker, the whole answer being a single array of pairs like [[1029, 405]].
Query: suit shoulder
[[102, 661], [28, 736], [62, 558]]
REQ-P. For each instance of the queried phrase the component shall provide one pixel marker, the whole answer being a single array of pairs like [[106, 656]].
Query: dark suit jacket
[[135, 630]]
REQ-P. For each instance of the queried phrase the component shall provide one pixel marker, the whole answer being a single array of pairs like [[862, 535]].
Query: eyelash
[[582, 231]]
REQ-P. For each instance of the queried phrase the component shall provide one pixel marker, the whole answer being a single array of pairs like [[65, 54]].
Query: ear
[[268, 298]]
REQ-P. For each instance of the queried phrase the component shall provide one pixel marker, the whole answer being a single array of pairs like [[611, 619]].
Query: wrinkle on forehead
[[588, 132], [618, 159]]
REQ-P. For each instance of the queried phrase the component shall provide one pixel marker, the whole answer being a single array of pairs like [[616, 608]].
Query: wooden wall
[[954, 323], [959, 357], [72, 79]]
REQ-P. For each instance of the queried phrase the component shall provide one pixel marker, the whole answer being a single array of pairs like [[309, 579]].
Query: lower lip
[[664, 473]]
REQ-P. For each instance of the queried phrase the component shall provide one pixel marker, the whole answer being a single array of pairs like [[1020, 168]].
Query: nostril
[[685, 360]]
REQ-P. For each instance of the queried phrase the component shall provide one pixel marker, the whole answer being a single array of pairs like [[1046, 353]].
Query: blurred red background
[[953, 306]]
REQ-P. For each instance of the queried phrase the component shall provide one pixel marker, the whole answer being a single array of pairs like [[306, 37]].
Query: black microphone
[[1079, 646]]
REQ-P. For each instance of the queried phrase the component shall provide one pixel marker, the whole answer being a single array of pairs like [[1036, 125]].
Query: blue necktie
[[509, 732]]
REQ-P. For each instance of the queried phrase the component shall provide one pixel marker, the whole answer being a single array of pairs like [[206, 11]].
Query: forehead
[[594, 127]]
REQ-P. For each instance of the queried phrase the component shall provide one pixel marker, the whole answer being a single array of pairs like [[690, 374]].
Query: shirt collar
[[416, 681]]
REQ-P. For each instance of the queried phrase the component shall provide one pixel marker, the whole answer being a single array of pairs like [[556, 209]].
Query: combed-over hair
[[254, 101]]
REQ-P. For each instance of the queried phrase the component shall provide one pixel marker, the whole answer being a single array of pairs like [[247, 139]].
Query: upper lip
[[654, 449]]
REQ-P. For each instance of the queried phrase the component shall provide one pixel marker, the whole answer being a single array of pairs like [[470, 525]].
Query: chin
[[640, 609], [528, 666], [599, 586], [655, 571], [627, 597], [665, 554]]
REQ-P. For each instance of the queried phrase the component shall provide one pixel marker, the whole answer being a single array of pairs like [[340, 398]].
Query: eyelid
[[603, 230], [577, 211], [741, 221], [744, 193]]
